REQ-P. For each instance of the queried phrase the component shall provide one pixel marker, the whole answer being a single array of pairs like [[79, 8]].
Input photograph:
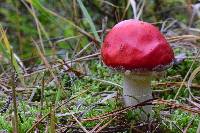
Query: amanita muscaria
[[138, 50]]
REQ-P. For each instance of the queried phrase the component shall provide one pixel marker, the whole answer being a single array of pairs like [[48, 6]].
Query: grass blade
[[89, 19], [52, 122], [50, 13], [6, 49]]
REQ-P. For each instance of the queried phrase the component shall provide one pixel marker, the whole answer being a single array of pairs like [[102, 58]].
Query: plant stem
[[13, 86]]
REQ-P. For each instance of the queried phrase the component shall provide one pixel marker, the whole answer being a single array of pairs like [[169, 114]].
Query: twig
[[182, 37], [175, 105], [80, 124], [105, 125], [168, 84], [93, 130], [119, 111]]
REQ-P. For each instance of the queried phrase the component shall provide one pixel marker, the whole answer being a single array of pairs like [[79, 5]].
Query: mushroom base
[[137, 89]]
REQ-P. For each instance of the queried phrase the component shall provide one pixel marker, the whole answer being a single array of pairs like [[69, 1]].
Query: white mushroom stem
[[137, 88]]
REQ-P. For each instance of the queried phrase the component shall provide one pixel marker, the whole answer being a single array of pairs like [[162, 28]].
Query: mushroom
[[139, 51]]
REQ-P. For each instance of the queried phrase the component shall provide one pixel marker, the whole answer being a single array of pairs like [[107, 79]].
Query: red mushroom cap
[[136, 45]]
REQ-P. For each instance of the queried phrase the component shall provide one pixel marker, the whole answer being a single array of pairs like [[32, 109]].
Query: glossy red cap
[[136, 45]]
